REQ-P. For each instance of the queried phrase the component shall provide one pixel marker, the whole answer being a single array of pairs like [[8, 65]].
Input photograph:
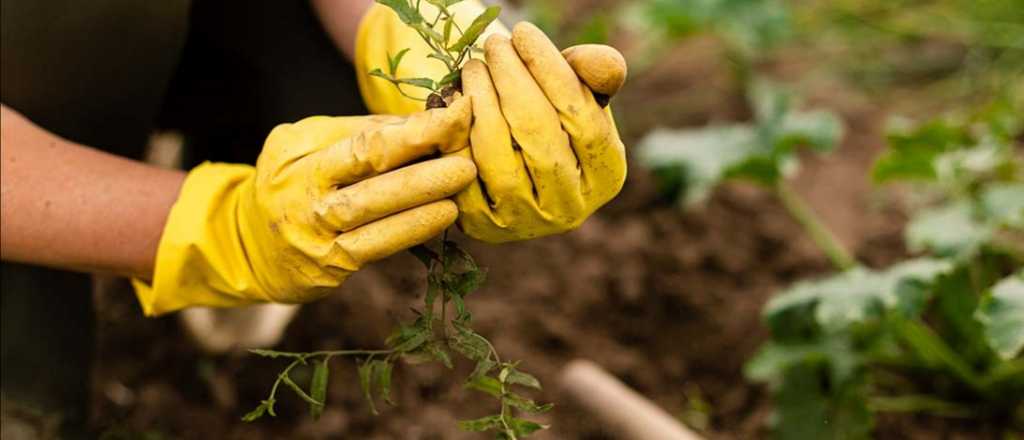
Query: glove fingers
[[500, 167], [535, 126], [389, 146], [551, 71], [391, 234], [601, 67], [395, 191], [593, 134]]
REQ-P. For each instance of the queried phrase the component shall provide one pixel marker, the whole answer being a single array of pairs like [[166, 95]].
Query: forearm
[[340, 18], [69, 206]]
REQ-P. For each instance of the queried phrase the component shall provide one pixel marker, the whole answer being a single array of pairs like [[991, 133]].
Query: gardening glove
[[327, 195], [382, 34], [547, 153], [568, 159]]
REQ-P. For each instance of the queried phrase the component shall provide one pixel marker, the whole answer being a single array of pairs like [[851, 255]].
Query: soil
[[666, 300]]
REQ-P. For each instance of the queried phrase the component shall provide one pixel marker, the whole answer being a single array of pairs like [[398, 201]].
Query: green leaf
[[318, 388], [406, 12], [520, 378], [1002, 315], [809, 407], [440, 354], [485, 384], [382, 378], [447, 32], [948, 231], [1003, 204], [855, 295], [450, 77], [469, 343], [475, 29], [701, 156], [912, 155], [366, 383], [394, 62], [380, 74], [526, 404], [482, 424], [265, 407], [410, 340], [425, 83], [424, 254], [482, 368], [523, 427]]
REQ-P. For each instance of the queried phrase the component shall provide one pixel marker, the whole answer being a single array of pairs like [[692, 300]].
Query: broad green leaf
[[1002, 314], [476, 28], [818, 130], [447, 32], [855, 295], [807, 408], [912, 155], [440, 354], [482, 424], [835, 352], [406, 12], [318, 387], [485, 384], [948, 231], [702, 156], [1004, 204]]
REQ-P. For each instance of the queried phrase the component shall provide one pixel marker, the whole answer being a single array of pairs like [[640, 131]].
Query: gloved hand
[[547, 153], [327, 195], [567, 159]]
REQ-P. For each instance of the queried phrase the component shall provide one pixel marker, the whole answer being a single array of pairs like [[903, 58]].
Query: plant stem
[[821, 234], [914, 403]]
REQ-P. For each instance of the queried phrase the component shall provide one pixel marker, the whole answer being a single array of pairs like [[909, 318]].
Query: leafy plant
[[941, 333], [435, 334], [690, 162]]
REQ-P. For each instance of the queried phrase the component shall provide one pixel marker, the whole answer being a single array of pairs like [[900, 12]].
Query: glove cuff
[[200, 259]]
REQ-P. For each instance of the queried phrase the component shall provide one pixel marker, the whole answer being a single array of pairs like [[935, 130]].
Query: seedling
[[452, 274]]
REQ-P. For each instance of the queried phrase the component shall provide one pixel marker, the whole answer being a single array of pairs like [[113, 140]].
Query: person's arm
[[340, 18], [68, 206]]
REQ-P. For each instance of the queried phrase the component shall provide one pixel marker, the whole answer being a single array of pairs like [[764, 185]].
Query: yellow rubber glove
[[547, 154], [567, 159], [327, 195]]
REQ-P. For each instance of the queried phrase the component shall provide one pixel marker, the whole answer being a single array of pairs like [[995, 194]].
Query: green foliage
[[1001, 313], [763, 151], [941, 333], [750, 25], [452, 54], [432, 336]]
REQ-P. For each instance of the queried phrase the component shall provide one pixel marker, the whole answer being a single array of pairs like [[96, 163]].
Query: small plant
[[941, 333], [452, 274]]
